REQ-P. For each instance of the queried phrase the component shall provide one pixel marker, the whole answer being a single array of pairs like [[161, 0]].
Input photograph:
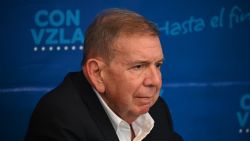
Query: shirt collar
[[141, 126], [115, 120]]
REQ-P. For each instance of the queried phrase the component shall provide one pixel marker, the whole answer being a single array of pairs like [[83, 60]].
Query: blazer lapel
[[95, 108]]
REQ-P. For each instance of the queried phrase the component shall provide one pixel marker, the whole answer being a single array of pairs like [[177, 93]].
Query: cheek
[[126, 93], [121, 89], [111, 80]]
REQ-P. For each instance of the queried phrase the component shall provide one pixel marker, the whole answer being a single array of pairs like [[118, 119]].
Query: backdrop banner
[[206, 73]]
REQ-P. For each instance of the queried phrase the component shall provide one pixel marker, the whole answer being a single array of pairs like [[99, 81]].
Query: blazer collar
[[94, 106]]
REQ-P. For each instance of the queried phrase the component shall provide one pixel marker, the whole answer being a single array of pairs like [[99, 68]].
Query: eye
[[158, 65], [138, 67]]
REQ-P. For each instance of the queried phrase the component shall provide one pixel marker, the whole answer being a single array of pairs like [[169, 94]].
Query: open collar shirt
[[141, 126]]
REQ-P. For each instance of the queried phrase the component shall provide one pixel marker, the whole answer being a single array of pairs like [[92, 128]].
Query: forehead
[[136, 47]]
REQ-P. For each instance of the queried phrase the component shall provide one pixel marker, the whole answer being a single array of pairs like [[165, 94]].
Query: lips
[[144, 100]]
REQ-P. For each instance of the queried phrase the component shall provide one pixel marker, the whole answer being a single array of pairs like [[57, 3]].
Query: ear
[[92, 70]]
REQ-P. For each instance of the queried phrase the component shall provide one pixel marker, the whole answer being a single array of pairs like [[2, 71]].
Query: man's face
[[132, 79]]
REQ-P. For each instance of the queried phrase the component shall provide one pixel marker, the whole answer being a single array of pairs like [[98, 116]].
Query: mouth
[[144, 100]]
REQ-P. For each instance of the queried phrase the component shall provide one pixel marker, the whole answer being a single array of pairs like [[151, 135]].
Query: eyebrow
[[144, 61]]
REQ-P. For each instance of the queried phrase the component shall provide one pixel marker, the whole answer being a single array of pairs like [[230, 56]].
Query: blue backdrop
[[206, 74]]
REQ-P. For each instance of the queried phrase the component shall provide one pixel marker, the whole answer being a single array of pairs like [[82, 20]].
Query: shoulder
[[163, 127], [63, 96], [62, 112], [160, 107], [160, 113], [65, 99]]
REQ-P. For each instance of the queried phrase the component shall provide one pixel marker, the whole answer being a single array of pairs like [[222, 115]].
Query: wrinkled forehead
[[123, 39], [138, 46]]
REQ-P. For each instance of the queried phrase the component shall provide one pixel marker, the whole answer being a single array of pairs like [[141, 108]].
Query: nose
[[153, 77]]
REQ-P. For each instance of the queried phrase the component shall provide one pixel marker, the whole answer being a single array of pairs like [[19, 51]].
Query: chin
[[144, 109]]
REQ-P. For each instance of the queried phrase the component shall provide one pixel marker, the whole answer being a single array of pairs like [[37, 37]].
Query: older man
[[116, 95]]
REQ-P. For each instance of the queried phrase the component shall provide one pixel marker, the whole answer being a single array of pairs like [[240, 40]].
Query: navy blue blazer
[[72, 112]]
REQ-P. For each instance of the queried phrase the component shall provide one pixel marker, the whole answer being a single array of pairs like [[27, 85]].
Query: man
[[116, 96]]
